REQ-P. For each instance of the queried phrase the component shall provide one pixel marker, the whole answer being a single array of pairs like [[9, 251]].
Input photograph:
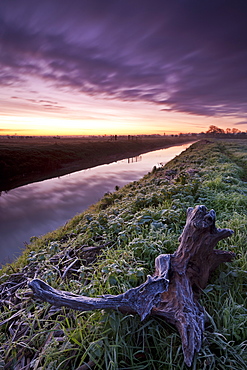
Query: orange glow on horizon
[[36, 126], [146, 124]]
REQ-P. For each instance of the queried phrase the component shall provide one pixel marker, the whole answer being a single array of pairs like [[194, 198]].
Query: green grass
[[133, 226]]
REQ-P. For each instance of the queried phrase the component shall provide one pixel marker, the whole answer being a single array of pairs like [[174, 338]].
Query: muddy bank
[[26, 161]]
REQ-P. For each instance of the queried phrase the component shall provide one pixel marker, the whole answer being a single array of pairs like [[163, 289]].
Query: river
[[37, 208]]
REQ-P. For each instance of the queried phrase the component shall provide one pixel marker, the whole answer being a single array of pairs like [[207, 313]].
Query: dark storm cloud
[[187, 56]]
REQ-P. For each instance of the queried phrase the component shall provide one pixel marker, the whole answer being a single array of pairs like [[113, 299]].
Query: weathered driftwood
[[172, 292]]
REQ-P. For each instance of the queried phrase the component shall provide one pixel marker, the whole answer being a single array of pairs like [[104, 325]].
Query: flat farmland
[[28, 159]]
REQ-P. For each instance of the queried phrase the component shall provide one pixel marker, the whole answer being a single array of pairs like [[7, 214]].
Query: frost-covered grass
[[110, 248]]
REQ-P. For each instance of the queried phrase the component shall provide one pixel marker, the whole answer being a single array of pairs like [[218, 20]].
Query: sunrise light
[[120, 70]]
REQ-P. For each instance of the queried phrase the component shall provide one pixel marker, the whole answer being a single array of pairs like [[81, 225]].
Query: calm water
[[35, 209]]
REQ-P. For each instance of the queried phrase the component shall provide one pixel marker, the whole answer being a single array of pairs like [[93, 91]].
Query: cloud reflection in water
[[38, 208]]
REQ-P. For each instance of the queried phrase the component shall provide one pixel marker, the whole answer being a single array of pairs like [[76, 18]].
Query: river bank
[[40, 207], [110, 248], [27, 160]]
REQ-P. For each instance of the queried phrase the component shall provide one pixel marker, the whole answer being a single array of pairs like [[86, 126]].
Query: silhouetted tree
[[215, 130]]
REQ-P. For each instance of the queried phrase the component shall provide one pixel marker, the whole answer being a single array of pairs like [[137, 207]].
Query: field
[[110, 248], [28, 159]]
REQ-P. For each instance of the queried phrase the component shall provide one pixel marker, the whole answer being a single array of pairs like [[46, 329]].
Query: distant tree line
[[217, 130]]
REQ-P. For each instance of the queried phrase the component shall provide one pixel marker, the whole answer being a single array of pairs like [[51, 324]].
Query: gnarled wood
[[172, 293]]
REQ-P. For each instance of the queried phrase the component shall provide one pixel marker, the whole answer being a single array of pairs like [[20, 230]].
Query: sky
[[95, 67]]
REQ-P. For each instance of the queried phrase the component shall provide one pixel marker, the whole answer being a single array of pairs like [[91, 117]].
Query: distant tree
[[235, 130], [215, 130]]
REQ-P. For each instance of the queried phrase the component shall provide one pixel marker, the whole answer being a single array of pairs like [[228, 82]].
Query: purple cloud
[[241, 123], [188, 56]]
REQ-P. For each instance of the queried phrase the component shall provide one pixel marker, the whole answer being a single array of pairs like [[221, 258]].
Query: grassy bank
[[26, 160], [110, 248]]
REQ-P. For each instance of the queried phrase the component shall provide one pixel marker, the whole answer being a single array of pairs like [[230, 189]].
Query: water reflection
[[135, 159], [38, 208]]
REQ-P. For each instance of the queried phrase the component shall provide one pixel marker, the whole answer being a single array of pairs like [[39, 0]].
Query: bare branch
[[175, 300]]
